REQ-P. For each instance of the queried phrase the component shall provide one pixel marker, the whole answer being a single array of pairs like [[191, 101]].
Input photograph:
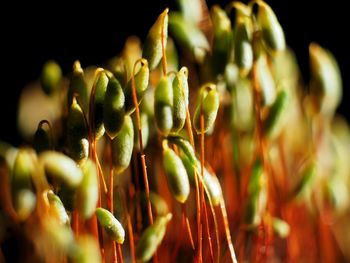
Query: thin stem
[[227, 231], [143, 161], [110, 201], [120, 253], [164, 60]]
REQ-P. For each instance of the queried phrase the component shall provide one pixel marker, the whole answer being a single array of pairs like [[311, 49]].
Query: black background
[[93, 32]]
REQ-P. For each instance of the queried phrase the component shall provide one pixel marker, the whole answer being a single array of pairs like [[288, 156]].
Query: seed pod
[[78, 86], [272, 32], [144, 130], [86, 250], [223, 36], [242, 45], [326, 83], [278, 107], [122, 146], [23, 197], [101, 84], [189, 36], [176, 175], [57, 209], [151, 238], [87, 192], [191, 10], [113, 108], [112, 226], [208, 105], [77, 133], [141, 84], [281, 227], [266, 82], [185, 146], [163, 105], [42, 137], [61, 168], [50, 78], [180, 99], [152, 48]]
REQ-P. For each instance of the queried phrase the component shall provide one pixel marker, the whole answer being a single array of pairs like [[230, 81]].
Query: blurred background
[[94, 32]]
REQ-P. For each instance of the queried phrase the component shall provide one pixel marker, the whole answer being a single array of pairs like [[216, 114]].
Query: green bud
[[101, 84], [176, 175], [180, 99], [163, 105], [223, 37], [42, 137], [278, 107], [208, 105], [112, 226], [57, 209], [242, 45], [78, 86], [185, 146], [77, 133], [281, 227], [23, 197], [122, 146], [272, 32], [151, 238], [61, 168], [191, 10], [51, 76], [113, 108], [326, 83], [141, 84], [87, 192], [152, 48], [189, 36]]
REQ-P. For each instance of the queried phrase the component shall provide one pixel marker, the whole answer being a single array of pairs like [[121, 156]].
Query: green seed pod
[[172, 56], [266, 82], [180, 99], [112, 226], [141, 84], [122, 146], [163, 105], [176, 175], [51, 76], [57, 209], [101, 84], [272, 32], [223, 37], [87, 192], [326, 83], [77, 133], [243, 49], [78, 86], [145, 129], [272, 120], [42, 137], [113, 108], [151, 238], [308, 173], [208, 105], [189, 36], [23, 197], [213, 186], [281, 227], [61, 168], [86, 250], [191, 10], [185, 146], [152, 48], [256, 179]]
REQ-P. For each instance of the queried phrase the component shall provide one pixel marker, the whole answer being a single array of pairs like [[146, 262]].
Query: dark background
[[93, 32]]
